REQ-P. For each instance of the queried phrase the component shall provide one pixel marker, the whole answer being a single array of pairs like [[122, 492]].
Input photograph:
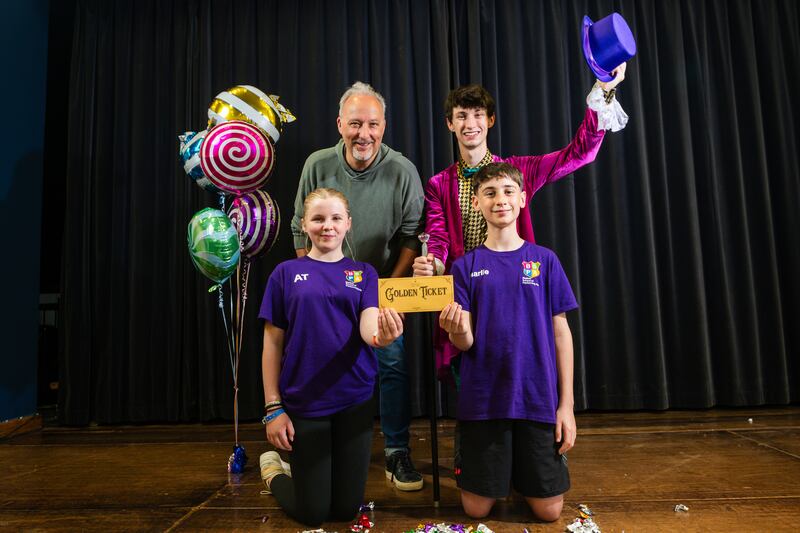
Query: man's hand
[[423, 266], [619, 75], [566, 429]]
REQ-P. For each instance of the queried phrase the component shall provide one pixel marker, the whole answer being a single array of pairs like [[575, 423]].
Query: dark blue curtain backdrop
[[23, 55], [681, 240]]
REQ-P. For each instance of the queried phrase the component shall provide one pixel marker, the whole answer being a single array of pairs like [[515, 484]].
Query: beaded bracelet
[[272, 404], [272, 416], [269, 408]]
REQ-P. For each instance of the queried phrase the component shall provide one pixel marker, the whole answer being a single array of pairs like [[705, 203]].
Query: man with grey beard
[[385, 195]]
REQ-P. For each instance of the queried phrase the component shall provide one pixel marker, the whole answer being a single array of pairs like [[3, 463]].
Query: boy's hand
[[619, 75], [566, 429], [390, 326], [423, 266], [280, 432], [453, 319]]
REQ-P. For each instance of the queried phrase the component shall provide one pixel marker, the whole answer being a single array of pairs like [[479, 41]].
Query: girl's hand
[[280, 432], [390, 326]]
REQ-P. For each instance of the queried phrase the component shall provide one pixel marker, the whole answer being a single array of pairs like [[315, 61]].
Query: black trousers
[[330, 459]]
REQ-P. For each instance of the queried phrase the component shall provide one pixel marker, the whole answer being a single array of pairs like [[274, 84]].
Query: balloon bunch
[[234, 156]]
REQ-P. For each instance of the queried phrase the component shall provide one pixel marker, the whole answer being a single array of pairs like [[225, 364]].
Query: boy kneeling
[[515, 406]]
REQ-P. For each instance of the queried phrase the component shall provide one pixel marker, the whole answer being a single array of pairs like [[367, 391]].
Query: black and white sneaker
[[400, 471]]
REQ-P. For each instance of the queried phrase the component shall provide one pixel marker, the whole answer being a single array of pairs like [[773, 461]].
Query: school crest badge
[[530, 269], [353, 276]]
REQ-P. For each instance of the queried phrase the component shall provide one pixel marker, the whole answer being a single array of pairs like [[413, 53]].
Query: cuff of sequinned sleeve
[[610, 116], [438, 267]]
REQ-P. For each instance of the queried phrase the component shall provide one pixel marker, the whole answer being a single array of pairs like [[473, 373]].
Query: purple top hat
[[607, 44]]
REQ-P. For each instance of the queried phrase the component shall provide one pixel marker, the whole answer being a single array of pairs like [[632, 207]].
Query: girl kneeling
[[319, 369]]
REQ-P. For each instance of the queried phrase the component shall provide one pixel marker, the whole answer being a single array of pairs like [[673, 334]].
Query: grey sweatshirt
[[386, 203]]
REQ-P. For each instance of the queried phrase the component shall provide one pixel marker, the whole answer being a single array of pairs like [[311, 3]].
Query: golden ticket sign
[[415, 295]]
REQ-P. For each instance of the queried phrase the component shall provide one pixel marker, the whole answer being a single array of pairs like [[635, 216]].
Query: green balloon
[[213, 244]]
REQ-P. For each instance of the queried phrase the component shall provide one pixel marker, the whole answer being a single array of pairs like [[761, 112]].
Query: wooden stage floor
[[735, 469]]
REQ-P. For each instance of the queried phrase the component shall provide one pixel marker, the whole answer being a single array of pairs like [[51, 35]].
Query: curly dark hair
[[469, 97]]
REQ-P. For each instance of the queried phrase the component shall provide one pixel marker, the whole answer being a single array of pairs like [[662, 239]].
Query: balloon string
[[236, 347], [237, 331], [245, 278], [241, 277], [232, 351], [221, 304], [236, 414], [232, 333]]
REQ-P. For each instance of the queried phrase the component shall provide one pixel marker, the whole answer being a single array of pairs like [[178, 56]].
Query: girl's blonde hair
[[324, 193]]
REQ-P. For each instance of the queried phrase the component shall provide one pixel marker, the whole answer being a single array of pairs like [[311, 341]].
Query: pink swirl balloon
[[236, 157], [258, 220]]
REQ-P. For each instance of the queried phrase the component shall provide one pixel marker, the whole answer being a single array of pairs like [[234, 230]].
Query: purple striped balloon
[[258, 220]]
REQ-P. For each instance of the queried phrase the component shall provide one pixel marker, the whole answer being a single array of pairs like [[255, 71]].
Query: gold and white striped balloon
[[247, 103]]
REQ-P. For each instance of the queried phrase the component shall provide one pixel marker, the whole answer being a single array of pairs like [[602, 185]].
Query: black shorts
[[494, 454]]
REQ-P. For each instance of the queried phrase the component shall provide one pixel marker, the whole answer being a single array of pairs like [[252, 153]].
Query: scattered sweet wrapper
[[443, 527], [583, 525], [362, 524]]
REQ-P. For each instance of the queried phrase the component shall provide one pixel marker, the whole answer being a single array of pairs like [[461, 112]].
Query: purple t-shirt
[[326, 365], [510, 371]]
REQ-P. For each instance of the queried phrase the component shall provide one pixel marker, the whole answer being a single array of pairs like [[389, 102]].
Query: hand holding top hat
[[618, 75], [607, 45]]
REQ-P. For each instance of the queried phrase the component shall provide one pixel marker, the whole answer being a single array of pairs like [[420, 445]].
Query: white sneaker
[[271, 465]]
